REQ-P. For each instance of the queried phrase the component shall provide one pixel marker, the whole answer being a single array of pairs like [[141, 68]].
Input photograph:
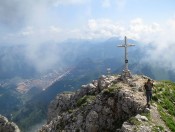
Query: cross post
[[126, 72]]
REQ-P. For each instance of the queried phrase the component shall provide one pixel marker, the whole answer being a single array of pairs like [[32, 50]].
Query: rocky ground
[[149, 121], [6, 126], [107, 104]]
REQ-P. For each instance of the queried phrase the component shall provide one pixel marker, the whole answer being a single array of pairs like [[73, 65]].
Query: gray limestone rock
[[97, 110], [141, 118], [127, 127], [145, 129], [147, 110], [92, 121], [61, 103], [6, 126]]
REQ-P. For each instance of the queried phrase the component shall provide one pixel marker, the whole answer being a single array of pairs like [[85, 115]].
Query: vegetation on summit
[[164, 96]]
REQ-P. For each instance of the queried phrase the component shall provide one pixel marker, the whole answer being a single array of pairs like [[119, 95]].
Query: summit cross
[[126, 72]]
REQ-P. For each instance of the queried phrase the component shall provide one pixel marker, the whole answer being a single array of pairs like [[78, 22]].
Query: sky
[[23, 20], [39, 21]]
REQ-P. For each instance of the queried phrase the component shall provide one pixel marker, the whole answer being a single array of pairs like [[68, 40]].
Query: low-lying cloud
[[33, 23], [162, 54]]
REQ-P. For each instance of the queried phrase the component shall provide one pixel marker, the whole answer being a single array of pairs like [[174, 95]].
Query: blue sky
[[24, 20]]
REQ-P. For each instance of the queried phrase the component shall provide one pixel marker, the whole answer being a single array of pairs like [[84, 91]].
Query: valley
[[24, 98]]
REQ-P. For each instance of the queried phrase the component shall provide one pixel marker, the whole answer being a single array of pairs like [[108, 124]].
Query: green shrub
[[134, 121], [157, 129], [112, 89], [85, 99], [70, 111]]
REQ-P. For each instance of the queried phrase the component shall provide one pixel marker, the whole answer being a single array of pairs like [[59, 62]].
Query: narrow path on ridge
[[156, 118]]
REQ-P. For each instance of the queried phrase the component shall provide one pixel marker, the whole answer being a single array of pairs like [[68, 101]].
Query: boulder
[[6, 126]]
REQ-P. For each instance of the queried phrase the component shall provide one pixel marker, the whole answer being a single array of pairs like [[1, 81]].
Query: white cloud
[[68, 2], [103, 28], [171, 22], [159, 37], [143, 32], [137, 26], [92, 24], [96, 28], [120, 4], [44, 20], [106, 3], [55, 29], [136, 29], [161, 53], [28, 31]]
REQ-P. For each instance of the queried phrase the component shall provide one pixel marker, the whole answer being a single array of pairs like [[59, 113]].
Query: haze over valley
[[51, 46]]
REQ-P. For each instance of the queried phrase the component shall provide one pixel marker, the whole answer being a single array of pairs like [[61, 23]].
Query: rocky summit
[[6, 126], [107, 104]]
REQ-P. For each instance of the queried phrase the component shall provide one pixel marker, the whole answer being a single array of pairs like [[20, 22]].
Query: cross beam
[[126, 72]]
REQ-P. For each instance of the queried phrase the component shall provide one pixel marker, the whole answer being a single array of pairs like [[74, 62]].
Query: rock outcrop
[[138, 124], [102, 105], [6, 126]]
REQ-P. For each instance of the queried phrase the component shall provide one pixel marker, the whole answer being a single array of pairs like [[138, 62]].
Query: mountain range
[[84, 60]]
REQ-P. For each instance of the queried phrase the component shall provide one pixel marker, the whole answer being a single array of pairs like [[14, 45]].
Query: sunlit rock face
[[103, 104], [6, 126]]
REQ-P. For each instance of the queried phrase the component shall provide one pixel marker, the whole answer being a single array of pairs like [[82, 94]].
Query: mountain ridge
[[89, 58], [107, 104]]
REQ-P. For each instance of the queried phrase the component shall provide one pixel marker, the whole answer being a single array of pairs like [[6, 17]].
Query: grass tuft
[[164, 96], [85, 100]]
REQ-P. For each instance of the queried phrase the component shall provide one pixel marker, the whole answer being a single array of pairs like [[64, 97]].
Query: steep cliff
[[107, 104], [6, 126], [111, 105]]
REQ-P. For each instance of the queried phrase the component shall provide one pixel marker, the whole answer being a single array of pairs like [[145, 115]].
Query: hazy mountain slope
[[35, 110], [25, 61], [87, 58], [9, 101], [13, 62]]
